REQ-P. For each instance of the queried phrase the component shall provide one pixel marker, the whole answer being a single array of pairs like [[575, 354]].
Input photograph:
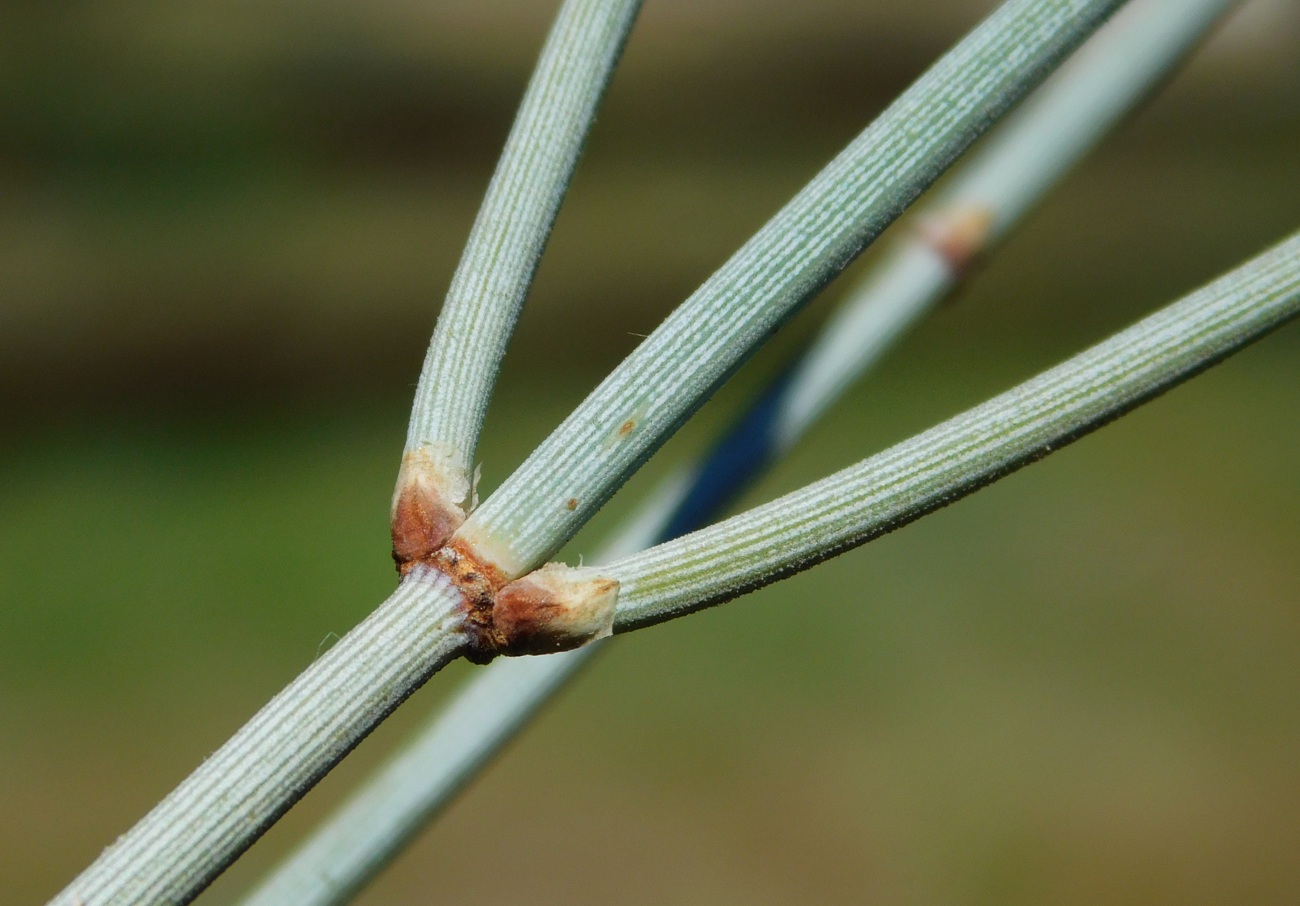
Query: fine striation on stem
[[809, 241], [434, 490], [964, 453], [1005, 175], [189, 838], [392, 807]]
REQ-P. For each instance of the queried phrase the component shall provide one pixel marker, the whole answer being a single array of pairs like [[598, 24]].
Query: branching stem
[[807, 243]]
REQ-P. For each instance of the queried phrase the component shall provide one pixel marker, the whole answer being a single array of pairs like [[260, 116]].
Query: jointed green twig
[[1014, 166]]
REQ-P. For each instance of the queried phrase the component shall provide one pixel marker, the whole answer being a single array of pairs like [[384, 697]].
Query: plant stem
[[963, 454], [377, 821], [809, 241], [1079, 102], [508, 237], [189, 838], [381, 818]]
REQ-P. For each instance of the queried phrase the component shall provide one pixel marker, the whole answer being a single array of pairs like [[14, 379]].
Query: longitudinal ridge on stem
[[994, 187], [216, 813], [176, 850], [964, 453], [435, 486], [809, 241]]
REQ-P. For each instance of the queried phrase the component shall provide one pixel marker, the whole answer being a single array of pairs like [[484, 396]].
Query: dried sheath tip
[[429, 503], [555, 608]]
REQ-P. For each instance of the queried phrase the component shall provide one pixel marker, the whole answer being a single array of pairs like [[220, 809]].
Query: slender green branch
[[963, 454], [498, 264], [809, 241], [179, 847], [189, 838]]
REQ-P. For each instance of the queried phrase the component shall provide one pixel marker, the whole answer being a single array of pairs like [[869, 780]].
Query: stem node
[[433, 492], [555, 608]]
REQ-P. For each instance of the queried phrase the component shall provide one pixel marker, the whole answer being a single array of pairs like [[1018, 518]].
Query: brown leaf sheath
[[422, 522], [555, 608], [428, 507]]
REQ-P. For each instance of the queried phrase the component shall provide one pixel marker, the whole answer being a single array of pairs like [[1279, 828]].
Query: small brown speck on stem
[[571, 504]]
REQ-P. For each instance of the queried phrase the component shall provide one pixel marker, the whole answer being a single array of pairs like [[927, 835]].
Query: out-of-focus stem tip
[[958, 235]]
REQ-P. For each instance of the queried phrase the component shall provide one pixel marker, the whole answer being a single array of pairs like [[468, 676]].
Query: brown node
[[428, 505], [555, 608], [422, 523], [959, 235], [627, 427], [478, 582], [571, 503]]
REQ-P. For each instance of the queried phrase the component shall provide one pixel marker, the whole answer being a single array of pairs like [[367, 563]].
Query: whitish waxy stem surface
[[1061, 123], [394, 805], [177, 849], [848, 204], [963, 454], [507, 240]]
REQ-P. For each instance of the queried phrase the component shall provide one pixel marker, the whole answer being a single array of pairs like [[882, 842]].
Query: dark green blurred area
[[224, 235]]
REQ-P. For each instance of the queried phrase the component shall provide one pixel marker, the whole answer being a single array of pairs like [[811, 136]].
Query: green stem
[[513, 224], [963, 454], [189, 838]]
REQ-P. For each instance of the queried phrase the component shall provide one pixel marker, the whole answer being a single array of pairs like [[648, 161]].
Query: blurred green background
[[224, 235]]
